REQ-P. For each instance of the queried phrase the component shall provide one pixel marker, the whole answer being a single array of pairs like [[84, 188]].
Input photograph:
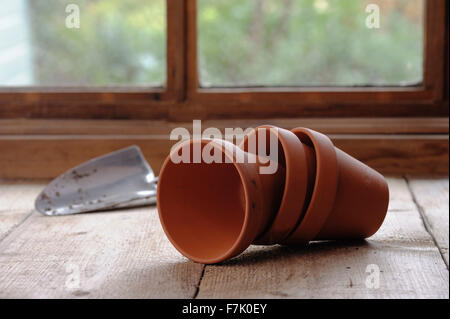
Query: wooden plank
[[431, 196], [125, 254], [46, 156], [398, 154], [399, 201], [57, 145], [176, 49], [122, 254], [192, 81], [435, 38], [157, 105], [409, 263], [16, 204], [160, 127]]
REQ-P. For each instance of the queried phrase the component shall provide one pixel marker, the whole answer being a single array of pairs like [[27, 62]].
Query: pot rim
[[295, 187], [325, 187], [244, 238]]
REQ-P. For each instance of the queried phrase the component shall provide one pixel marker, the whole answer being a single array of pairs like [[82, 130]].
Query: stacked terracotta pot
[[213, 211]]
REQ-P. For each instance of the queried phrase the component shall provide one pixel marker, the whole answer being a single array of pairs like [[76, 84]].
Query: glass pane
[[117, 43], [310, 42]]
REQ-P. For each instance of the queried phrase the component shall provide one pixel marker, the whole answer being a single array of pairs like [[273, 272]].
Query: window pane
[[309, 42], [117, 43]]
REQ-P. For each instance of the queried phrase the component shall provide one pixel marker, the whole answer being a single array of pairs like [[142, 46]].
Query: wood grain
[[431, 196], [398, 154], [125, 254], [121, 254], [47, 156], [16, 204], [46, 148], [438, 125], [176, 47], [434, 48], [409, 263]]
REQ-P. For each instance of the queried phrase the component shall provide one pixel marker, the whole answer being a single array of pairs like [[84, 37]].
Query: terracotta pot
[[298, 160], [349, 201], [214, 211]]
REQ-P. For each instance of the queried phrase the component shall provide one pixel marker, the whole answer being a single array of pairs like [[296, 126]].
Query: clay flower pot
[[349, 200], [213, 211], [298, 161]]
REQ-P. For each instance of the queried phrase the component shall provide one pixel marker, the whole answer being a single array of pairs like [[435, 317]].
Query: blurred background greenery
[[118, 43], [309, 42], [240, 43]]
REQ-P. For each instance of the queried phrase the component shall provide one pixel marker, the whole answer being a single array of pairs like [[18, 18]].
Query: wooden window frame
[[110, 102], [182, 99]]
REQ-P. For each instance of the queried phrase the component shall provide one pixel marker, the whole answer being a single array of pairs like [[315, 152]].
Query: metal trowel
[[115, 180]]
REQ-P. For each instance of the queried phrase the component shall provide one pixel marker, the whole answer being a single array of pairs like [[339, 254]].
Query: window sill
[[46, 148]]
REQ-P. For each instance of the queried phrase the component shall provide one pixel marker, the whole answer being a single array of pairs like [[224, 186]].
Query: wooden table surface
[[125, 254]]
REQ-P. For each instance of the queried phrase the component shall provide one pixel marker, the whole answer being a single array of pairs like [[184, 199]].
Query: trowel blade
[[119, 179]]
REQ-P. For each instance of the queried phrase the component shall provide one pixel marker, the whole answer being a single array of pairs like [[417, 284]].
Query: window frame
[[183, 99], [107, 102]]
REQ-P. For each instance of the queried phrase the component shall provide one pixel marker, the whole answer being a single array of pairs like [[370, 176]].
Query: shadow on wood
[[260, 254]]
